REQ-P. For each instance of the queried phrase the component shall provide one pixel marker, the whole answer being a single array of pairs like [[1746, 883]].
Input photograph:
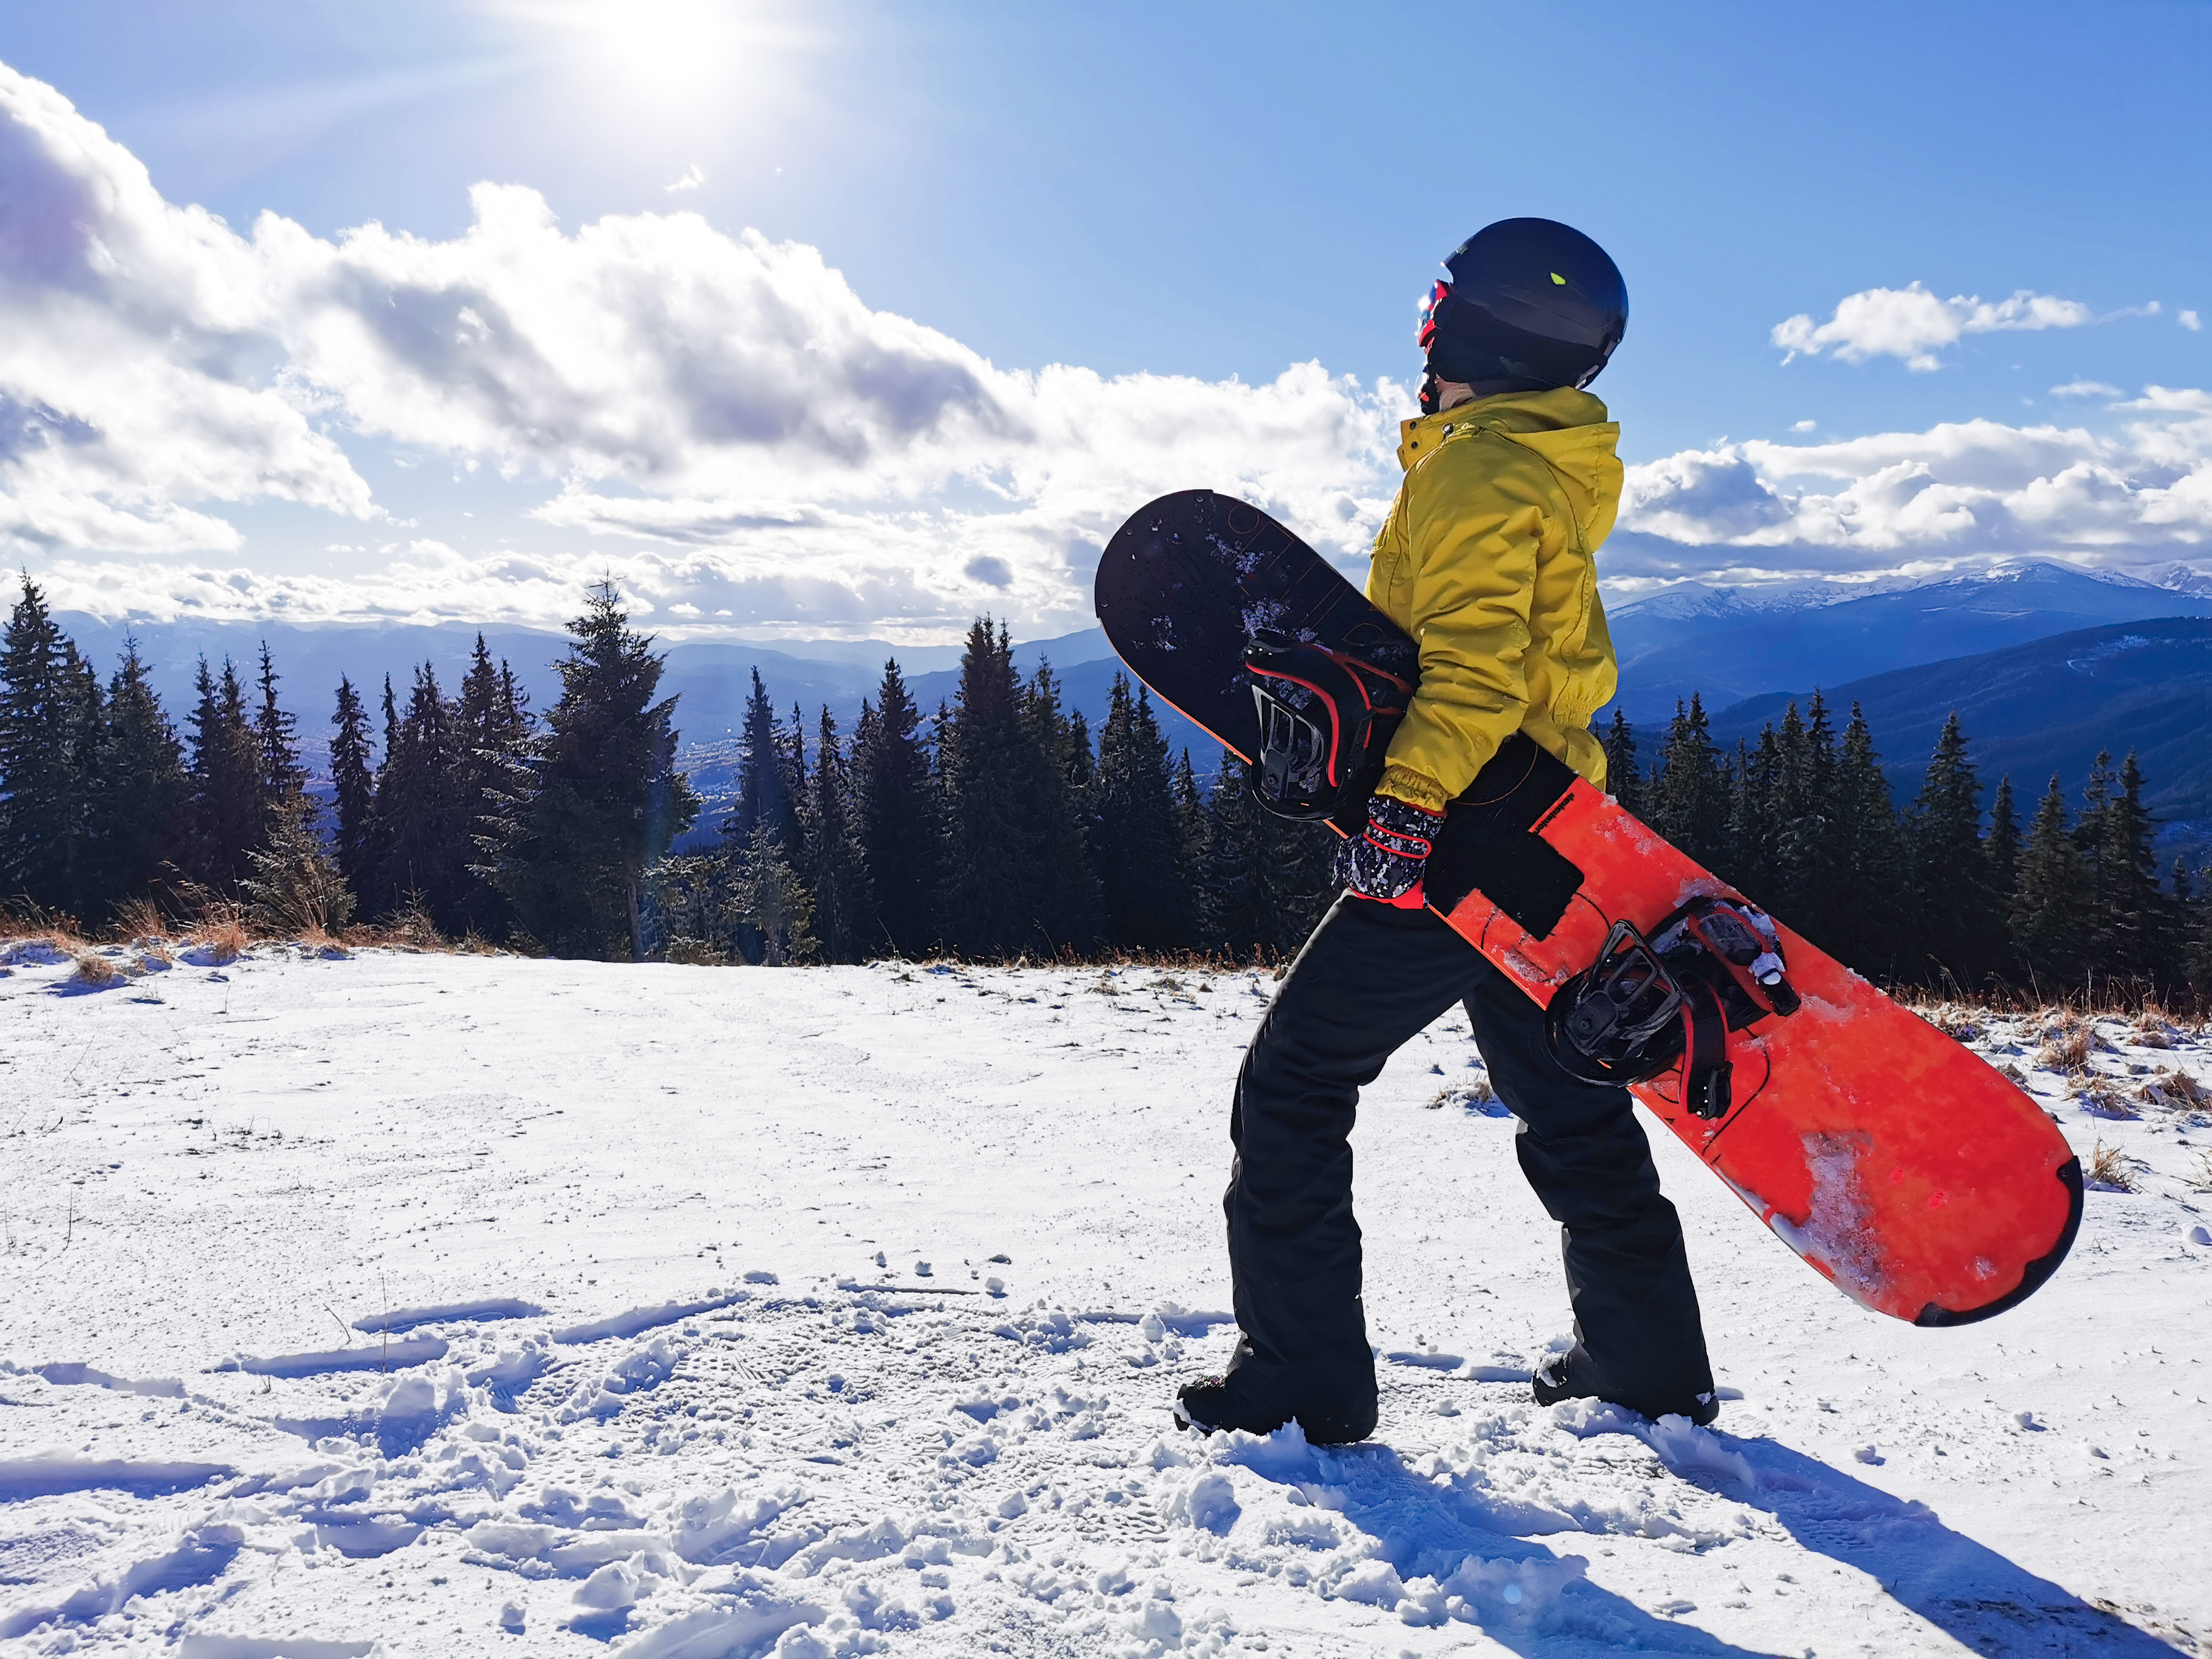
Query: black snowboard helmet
[[1531, 303]]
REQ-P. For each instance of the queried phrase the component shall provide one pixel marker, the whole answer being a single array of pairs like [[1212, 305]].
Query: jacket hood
[[1568, 428]]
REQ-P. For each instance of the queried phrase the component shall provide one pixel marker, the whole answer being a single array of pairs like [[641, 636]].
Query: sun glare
[[667, 51]]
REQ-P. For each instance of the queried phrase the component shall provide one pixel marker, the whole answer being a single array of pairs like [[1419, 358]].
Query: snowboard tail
[[1897, 1163]]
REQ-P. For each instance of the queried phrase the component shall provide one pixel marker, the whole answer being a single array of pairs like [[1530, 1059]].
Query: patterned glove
[[1387, 862]]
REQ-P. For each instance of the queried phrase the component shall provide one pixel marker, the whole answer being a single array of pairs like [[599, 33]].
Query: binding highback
[[1325, 719]]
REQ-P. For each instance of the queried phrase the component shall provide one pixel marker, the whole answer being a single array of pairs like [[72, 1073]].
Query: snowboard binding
[[1649, 1005], [1326, 720]]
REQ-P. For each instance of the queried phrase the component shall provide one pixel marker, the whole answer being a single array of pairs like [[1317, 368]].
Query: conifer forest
[[998, 827]]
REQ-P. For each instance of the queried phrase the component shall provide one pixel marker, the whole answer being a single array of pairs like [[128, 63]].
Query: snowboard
[[1900, 1165]]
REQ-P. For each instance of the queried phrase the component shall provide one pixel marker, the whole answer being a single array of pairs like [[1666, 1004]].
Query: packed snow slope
[[446, 1305]]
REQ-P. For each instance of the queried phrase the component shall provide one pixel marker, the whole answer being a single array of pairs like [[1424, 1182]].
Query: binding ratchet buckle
[[1710, 967]]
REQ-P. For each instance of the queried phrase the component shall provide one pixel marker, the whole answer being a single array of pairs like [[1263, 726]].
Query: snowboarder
[[1487, 559]]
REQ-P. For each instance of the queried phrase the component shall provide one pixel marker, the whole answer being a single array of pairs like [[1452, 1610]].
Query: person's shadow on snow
[[1979, 1597], [1967, 1589]]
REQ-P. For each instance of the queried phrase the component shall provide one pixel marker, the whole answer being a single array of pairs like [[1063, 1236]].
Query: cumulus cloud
[[137, 371], [671, 383], [1959, 492], [2190, 321], [2081, 388], [1912, 324], [722, 425]]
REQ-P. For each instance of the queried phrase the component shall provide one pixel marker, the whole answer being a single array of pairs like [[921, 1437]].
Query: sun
[[666, 53]]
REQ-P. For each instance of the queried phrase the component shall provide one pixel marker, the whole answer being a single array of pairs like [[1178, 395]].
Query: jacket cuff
[[1415, 788]]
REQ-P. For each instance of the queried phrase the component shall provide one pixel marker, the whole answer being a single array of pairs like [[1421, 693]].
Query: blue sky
[[1185, 194]]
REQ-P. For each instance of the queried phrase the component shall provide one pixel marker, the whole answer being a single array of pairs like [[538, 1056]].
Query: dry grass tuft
[[1958, 1023], [2100, 1096], [2112, 1169], [2175, 1088], [93, 968], [2066, 1047], [222, 933]]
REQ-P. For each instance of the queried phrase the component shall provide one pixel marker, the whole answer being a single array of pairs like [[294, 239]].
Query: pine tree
[[764, 791], [297, 887], [490, 727], [1869, 923], [1621, 777], [353, 782], [1754, 777], [49, 715], [836, 873], [276, 737], [1138, 844], [897, 818], [140, 786], [1065, 902], [770, 903], [1807, 893], [992, 854], [601, 800], [1690, 798], [1191, 834], [224, 783], [2001, 847], [1960, 932], [2130, 926], [2050, 913], [426, 852]]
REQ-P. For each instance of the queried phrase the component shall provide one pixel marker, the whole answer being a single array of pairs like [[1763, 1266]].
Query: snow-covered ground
[[419, 1304]]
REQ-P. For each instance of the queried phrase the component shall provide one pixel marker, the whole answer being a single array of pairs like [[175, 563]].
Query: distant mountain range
[[1728, 644], [2036, 709]]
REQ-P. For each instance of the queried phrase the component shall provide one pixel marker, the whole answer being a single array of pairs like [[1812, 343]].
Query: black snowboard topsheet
[[1185, 584]]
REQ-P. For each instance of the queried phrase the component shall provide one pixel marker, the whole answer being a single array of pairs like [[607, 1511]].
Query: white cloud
[[1911, 324], [137, 370], [2080, 388], [1960, 492], [723, 425], [2190, 321], [1803, 426], [692, 179], [672, 384]]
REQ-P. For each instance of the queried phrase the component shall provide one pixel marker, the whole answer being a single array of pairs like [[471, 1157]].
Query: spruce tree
[[895, 809], [1064, 902], [2001, 848], [601, 800], [353, 782], [425, 850], [1191, 832], [1959, 934], [992, 854], [836, 873], [1621, 777], [2131, 927], [224, 783], [1138, 847], [276, 737], [765, 797], [489, 725], [139, 795], [771, 904], [1750, 864], [1690, 798], [1869, 923], [48, 712], [1806, 893], [2050, 913], [296, 886]]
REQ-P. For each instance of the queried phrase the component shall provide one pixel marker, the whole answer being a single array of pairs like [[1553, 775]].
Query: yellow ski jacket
[[1486, 560]]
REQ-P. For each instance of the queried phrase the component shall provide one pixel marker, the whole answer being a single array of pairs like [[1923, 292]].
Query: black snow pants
[[1369, 979]]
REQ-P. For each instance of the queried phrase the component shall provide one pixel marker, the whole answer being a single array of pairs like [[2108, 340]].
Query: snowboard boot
[[1243, 1397], [1554, 1381]]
